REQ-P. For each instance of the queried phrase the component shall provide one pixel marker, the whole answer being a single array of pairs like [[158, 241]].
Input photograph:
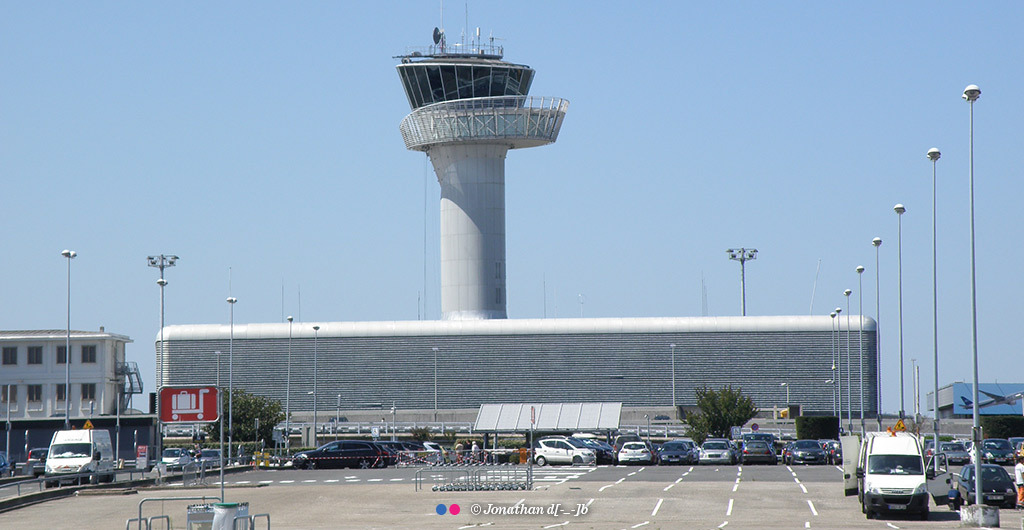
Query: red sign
[[188, 404]]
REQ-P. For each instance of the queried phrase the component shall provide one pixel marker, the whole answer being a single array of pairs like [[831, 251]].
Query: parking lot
[[565, 497]]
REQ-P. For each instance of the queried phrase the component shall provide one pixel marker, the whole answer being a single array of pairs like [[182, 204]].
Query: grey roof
[[534, 326], [53, 334], [568, 417]]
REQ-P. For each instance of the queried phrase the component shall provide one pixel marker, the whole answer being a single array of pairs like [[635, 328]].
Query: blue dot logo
[[441, 509]]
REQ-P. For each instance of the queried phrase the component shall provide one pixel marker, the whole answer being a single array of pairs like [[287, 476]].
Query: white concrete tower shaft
[[469, 109]]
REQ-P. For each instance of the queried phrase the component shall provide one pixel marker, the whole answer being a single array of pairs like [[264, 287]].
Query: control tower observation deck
[[469, 107]]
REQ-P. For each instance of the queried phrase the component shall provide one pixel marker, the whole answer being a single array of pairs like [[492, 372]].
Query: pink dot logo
[[454, 509]]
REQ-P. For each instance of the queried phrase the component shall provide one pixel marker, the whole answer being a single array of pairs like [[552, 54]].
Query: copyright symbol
[[475, 509]]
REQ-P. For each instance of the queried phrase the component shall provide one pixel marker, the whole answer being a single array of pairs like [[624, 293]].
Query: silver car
[[717, 451]]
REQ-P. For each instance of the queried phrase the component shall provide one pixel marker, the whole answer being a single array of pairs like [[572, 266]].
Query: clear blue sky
[[263, 137]]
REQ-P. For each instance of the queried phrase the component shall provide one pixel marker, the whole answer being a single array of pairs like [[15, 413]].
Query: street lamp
[[839, 355], [860, 340], [231, 358], [971, 94], [337, 418], [832, 342], [648, 418], [742, 255], [849, 379], [831, 382], [900, 209], [435, 383], [70, 255], [787, 393], [160, 262], [394, 418], [288, 393], [316, 336], [877, 242], [673, 348], [933, 155]]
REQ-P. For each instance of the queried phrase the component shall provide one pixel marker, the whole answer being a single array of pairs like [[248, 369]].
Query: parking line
[[332, 480], [728, 513], [668, 487], [631, 474], [266, 482], [803, 488], [556, 525], [287, 482], [247, 482], [396, 480], [680, 479], [602, 488], [657, 507], [375, 480], [304, 481], [620, 480], [645, 523], [890, 525], [723, 524], [811, 504], [588, 502], [807, 524]]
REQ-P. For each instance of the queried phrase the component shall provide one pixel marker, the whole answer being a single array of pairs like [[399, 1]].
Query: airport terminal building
[[465, 363]]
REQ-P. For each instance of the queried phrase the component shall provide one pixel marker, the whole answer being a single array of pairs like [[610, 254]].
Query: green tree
[[719, 412], [246, 408]]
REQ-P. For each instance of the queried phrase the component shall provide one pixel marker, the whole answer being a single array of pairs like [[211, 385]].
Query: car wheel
[[540, 461], [365, 464], [577, 461]]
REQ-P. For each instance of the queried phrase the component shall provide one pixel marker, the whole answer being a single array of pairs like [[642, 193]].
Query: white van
[[891, 475], [80, 451]]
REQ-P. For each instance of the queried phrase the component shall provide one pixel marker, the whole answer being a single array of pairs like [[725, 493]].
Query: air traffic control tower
[[469, 107]]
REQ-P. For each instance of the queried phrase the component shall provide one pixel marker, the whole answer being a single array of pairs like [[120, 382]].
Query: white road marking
[[266, 482], [728, 512], [645, 523], [803, 488], [396, 480], [351, 476], [839, 468], [308, 481], [520, 502], [680, 479], [620, 480], [375, 480], [723, 524], [807, 524], [796, 479], [589, 502], [602, 488], [353, 480], [668, 487], [641, 469], [247, 482], [811, 504], [287, 482], [691, 469], [556, 525], [631, 474], [657, 507], [735, 486], [890, 525], [333, 480]]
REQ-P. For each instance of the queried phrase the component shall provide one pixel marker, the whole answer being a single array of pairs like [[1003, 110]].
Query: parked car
[[636, 453], [209, 457], [996, 451], [956, 453], [435, 453], [176, 458], [37, 460], [757, 451], [1015, 443], [678, 452], [623, 438], [995, 482], [717, 451], [604, 451], [807, 452], [833, 451], [342, 453], [560, 451]]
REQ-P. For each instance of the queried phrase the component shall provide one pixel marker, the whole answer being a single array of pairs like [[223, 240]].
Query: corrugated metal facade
[[530, 361]]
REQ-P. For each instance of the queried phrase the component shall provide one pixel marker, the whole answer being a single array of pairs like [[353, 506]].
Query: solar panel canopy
[[569, 417]]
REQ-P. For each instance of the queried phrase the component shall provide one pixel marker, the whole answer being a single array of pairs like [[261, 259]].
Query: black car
[[806, 452], [995, 482], [754, 451], [602, 450], [678, 452], [343, 453], [996, 451]]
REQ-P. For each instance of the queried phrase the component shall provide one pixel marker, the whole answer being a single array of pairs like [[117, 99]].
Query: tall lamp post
[[933, 155], [786, 385], [316, 337], [288, 393], [435, 383], [743, 255], [860, 340], [70, 255], [832, 342], [231, 359], [971, 94], [877, 242], [673, 348], [849, 379], [160, 262], [839, 356], [900, 210], [831, 382]]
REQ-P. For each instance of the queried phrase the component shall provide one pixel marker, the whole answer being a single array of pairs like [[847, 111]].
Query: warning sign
[[88, 424], [900, 426]]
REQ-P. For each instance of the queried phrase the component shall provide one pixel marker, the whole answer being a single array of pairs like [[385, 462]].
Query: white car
[[175, 457], [635, 452], [560, 451], [717, 451]]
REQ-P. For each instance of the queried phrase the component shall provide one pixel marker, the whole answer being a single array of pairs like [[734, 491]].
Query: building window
[[88, 391], [35, 355], [62, 355], [13, 389], [88, 354], [35, 393], [10, 355], [62, 393]]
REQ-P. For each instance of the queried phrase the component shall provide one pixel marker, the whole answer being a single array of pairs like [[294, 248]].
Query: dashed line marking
[[728, 512], [247, 482], [668, 487], [266, 482], [631, 474], [890, 525], [803, 488], [309, 481], [620, 480], [723, 524], [807, 524], [396, 480], [657, 507], [287, 482], [645, 523], [375, 480], [680, 479], [556, 525], [811, 505], [589, 502], [602, 488], [333, 480]]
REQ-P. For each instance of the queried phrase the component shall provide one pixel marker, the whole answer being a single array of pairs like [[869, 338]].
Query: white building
[[33, 373]]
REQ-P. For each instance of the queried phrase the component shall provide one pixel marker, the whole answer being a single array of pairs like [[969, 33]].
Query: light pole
[[160, 262], [337, 418], [787, 393], [877, 242], [288, 393], [971, 94], [316, 337], [218, 368], [933, 155], [231, 366], [900, 209], [831, 382], [435, 383], [70, 255], [673, 348], [860, 340], [742, 255], [839, 356], [648, 418], [832, 342], [849, 379], [394, 421]]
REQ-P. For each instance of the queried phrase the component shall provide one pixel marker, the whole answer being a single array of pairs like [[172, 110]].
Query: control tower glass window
[[427, 83]]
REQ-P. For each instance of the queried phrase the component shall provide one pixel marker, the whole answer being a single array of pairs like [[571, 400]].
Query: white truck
[[892, 477], [80, 451]]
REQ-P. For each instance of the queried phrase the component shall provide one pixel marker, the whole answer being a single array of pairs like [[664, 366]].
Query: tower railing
[[520, 121]]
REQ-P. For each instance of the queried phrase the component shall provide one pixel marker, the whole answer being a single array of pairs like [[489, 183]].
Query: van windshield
[[895, 465], [69, 450]]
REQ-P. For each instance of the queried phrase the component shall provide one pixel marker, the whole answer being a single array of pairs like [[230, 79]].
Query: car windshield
[[764, 437], [895, 464], [576, 442], [953, 447], [172, 453], [806, 444], [69, 450], [676, 446], [715, 445], [996, 444]]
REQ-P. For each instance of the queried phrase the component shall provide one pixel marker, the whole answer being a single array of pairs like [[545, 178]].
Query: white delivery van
[[891, 475], [80, 451]]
